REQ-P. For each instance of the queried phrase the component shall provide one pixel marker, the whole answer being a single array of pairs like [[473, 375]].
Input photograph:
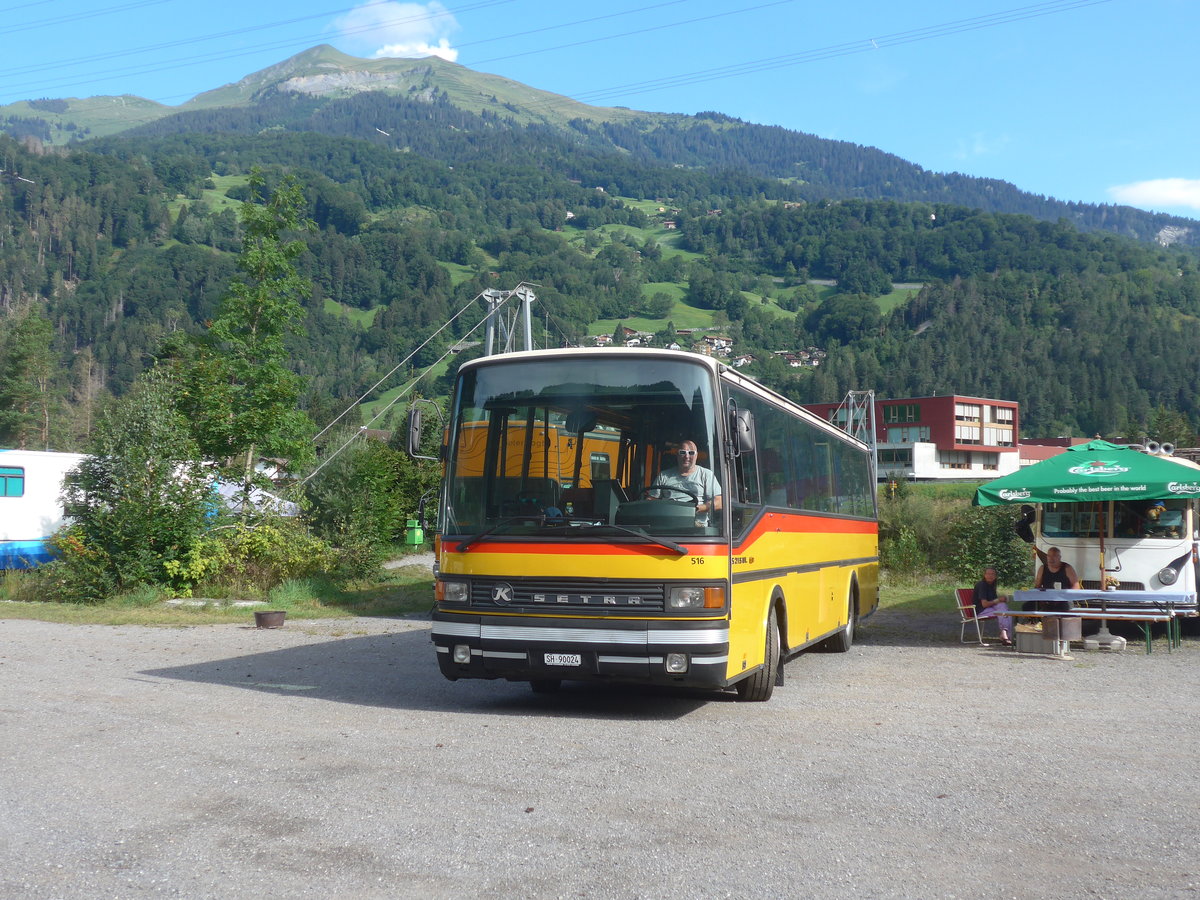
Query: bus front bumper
[[536, 648]]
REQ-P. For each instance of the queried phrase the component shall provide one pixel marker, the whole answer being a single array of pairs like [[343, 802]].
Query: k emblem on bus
[[502, 593]]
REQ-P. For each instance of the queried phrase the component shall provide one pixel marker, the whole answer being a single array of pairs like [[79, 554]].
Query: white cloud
[[382, 28], [1159, 193]]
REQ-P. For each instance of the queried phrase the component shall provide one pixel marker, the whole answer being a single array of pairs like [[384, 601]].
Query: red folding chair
[[964, 598]]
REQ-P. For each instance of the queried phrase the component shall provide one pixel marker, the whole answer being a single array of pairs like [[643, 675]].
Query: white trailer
[[31, 483]]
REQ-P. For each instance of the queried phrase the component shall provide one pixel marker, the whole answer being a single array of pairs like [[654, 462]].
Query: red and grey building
[[945, 438]]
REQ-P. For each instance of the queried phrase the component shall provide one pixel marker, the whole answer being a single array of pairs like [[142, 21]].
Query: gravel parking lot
[[331, 759]]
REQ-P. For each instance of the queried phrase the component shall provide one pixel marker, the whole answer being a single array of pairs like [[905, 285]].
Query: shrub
[[917, 521], [901, 554], [362, 500], [933, 528], [256, 557], [985, 536]]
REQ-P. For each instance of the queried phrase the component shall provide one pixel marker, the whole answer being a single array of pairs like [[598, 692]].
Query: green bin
[[414, 534]]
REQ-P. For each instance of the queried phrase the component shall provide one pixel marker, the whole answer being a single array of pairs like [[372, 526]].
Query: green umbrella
[[1095, 471]]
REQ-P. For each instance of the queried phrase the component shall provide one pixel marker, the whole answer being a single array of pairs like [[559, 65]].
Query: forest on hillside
[[780, 160], [109, 248]]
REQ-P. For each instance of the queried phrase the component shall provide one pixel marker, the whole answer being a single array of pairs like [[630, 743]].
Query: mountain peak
[[323, 71]]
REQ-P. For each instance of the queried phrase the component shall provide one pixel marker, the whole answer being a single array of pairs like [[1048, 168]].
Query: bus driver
[[694, 479]]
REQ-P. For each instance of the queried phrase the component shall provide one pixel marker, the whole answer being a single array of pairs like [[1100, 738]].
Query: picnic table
[[1151, 607]]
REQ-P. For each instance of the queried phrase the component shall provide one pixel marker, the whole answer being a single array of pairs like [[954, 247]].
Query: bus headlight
[[695, 597], [456, 592], [462, 653], [1168, 575], [686, 598], [677, 663]]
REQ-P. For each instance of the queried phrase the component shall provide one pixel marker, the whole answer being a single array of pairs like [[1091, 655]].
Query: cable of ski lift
[[362, 429]]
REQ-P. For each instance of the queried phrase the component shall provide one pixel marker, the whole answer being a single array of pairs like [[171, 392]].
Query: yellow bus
[[569, 549]]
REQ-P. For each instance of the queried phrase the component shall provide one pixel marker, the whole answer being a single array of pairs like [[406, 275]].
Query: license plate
[[564, 659]]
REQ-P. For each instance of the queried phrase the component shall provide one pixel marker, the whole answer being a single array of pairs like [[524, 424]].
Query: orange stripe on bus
[[773, 523]]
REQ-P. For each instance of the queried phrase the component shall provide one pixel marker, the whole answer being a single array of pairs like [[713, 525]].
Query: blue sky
[[1086, 100]]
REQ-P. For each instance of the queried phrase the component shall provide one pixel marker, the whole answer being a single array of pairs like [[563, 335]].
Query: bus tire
[[759, 686], [843, 640], [545, 685]]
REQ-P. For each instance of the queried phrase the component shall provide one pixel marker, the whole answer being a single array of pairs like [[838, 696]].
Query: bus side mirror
[[741, 427], [415, 421], [414, 430]]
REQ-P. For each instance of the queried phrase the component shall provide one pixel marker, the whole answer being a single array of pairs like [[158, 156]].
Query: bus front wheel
[[758, 687]]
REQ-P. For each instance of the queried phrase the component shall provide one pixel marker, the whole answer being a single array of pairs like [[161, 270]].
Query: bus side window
[[747, 479]]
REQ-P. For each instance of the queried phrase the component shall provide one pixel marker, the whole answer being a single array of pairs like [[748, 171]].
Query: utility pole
[[496, 323], [860, 423]]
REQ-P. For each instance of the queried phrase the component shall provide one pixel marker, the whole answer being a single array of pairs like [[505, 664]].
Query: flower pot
[[269, 618]]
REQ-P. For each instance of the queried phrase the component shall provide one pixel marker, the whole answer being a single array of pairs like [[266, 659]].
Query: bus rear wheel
[[844, 639], [759, 686]]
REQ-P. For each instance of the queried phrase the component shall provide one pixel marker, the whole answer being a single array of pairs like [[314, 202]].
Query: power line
[[75, 17], [862, 45], [409, 386], [397, 367], [150, 68], [612, 37], [593, 96]]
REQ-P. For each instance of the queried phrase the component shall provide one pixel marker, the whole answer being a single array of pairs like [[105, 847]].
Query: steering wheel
[[645, 493]]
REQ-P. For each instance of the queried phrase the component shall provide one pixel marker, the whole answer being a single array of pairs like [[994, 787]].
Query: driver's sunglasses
[[687, 452]]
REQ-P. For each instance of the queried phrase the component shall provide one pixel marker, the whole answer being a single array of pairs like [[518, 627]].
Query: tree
[[1169, 426], [659, 305], [87, 393], [26, 367], [139, 499], [239, 395], [844, 317]]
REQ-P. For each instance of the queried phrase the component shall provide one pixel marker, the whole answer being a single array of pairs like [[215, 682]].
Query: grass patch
[[895, 299], [364, 318], [641, 235], [918, 594], [767, 304], [681, 314], [458, 273], [668, 241], [672, 289], [392, 593]]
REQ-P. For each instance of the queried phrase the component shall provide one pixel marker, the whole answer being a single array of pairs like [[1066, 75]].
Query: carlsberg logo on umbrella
[[1015, 495], [1101, 468], [1179, 487]]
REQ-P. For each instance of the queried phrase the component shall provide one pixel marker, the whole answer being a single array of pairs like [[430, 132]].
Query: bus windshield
[[1145, 519], [568, 447]]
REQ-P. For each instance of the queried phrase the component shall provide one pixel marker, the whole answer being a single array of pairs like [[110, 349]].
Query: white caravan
[[31, 482]]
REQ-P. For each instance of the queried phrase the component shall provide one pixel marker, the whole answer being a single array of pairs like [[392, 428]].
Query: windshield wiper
[[463, 546], [649, 538], [476, 538]]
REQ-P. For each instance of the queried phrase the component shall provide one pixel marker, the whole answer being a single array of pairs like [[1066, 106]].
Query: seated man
[[1054, 574], [696, 480]]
